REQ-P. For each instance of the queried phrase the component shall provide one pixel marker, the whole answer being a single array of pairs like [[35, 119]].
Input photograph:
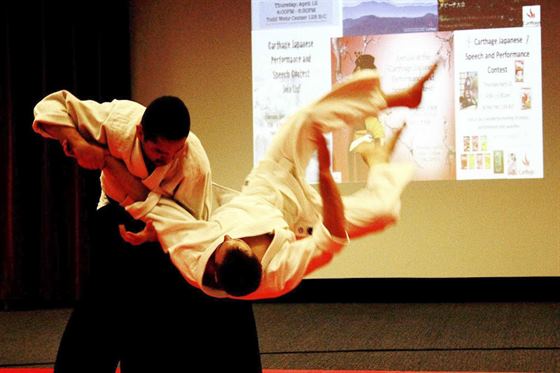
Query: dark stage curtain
[[47, 201]]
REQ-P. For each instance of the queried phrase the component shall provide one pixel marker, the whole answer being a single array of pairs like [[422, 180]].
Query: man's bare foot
[[412, 96], [374, 152], [415, 92]]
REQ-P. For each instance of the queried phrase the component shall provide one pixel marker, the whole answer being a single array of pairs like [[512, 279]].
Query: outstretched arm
[[123, 187], [120, 184], [88, 156], [333, 209]]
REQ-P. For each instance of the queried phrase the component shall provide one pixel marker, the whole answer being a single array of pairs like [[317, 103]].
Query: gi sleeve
[[64, 109], [185, 238]]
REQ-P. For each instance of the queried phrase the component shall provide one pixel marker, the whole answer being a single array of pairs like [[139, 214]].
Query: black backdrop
[[47, 202]]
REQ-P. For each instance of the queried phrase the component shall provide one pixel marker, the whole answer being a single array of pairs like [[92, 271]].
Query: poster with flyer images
[[481, 112]]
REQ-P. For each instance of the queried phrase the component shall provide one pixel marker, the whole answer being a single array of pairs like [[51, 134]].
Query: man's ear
[[140, 132]]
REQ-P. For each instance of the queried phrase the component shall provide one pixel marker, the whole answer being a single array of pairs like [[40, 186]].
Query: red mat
[[49, 370], [364, 371]]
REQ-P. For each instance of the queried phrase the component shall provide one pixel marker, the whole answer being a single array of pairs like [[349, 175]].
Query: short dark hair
[[167, 117], [239, 273]]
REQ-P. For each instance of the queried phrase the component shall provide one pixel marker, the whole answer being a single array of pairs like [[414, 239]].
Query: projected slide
[[481, 115]]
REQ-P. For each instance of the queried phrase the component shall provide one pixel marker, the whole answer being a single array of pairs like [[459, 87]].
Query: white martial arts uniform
[[276, 199], [187, 179]]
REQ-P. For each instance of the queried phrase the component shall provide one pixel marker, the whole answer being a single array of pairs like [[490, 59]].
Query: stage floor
[[442, 337]]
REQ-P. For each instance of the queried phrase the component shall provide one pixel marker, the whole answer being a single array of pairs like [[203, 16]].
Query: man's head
[[237, 269], [164, 128]]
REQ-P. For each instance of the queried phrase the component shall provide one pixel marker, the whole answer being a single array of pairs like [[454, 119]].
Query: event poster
[[481, 113]]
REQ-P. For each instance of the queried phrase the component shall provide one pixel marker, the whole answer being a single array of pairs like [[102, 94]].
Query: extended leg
[[377, 205], [346, 105]]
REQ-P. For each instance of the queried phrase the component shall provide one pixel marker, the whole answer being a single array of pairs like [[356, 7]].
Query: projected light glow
[[481, 116]]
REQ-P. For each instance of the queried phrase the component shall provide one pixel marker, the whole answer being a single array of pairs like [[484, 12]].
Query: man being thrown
[[263, 241]]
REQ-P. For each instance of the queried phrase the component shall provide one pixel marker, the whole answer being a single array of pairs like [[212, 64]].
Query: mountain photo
[[378, 17]]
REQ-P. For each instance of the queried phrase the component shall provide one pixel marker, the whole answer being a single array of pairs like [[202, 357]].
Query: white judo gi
[[276, 199], [187, 179]]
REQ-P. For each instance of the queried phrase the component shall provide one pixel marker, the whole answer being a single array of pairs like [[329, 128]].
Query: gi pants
[[138, 309]]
